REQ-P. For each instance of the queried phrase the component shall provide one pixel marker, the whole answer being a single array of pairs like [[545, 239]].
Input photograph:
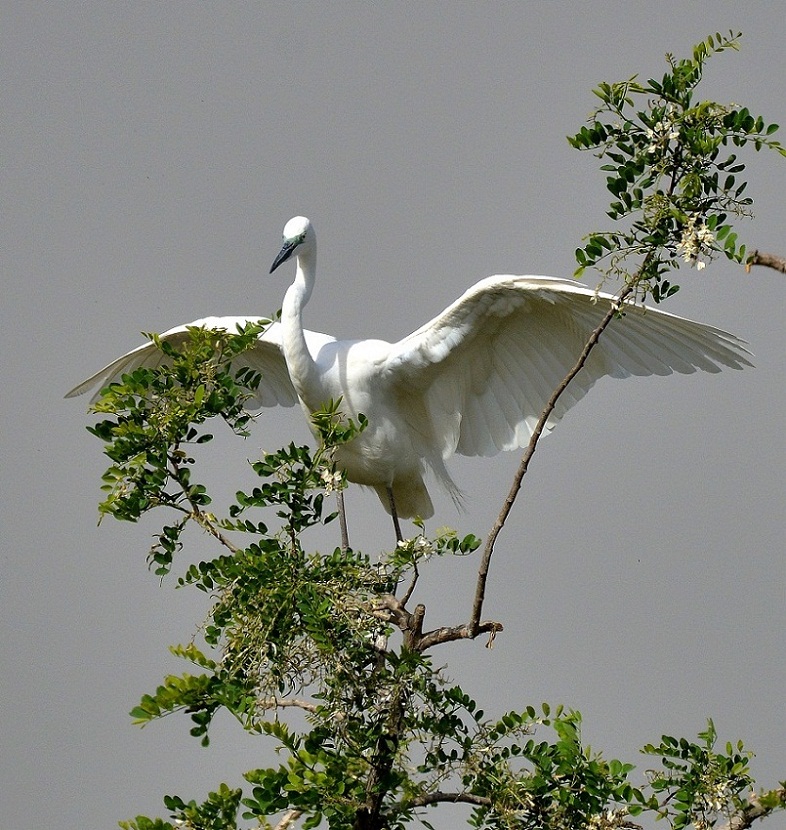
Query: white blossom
[[331, 480], [660, 134], [716, 796], [607, 820], [696, 239], [419, 545]]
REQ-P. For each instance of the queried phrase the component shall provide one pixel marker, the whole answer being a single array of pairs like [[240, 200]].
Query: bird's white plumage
[[472, 381], [266, 357], [513, 339]]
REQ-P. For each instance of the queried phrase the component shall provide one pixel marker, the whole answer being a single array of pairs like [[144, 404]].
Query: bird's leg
[[342, 520], [396, 525]]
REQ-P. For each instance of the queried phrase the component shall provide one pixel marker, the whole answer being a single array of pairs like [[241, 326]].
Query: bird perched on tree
[[472, 381]]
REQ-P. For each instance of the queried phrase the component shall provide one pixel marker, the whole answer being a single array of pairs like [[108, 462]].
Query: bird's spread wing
[[486, 367], [266, 357]]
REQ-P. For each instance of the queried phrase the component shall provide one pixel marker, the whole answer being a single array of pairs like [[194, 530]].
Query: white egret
[[472, 381]]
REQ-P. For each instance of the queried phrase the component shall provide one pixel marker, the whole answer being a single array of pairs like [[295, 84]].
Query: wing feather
[[488, 364], [266, 357]]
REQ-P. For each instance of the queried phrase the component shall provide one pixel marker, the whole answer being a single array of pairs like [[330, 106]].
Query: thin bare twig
[[480, 591], [200, 517], [342, 521], [415, 576], [204, 522]]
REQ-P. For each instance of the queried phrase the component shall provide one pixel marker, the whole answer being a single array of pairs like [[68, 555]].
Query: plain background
[[152, 154]]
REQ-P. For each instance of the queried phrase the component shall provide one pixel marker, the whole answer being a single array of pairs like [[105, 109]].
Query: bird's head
[[298, 234]]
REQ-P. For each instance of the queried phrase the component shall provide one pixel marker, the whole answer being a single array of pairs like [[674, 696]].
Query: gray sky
[[153, 152]]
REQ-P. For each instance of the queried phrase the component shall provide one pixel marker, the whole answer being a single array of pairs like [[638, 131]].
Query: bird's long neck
[[302, 367]]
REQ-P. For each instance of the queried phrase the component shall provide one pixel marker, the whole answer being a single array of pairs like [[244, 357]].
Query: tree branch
[[199, 516], [204, 522], [395, 608], [755, 809], [415, 576], [390, 609], [369, 816], [286, 702], [592, 341], [287, 819], [448, 634], [767, 260], [414, 634], [440, 797]]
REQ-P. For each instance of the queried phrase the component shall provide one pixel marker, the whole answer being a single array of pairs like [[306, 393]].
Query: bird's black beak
[[284, 254]]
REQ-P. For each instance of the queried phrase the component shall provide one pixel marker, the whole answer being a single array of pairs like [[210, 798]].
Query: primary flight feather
[[472, 381]]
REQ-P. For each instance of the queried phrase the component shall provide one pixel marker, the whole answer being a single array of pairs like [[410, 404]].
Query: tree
[[340, 637]]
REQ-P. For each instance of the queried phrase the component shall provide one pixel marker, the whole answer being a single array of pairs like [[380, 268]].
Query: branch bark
[[390, 609], [755, 810], [442, 797], [448, 634], [287, 819], [287, 703], [198, 515], [767, 260], [369, 816]]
